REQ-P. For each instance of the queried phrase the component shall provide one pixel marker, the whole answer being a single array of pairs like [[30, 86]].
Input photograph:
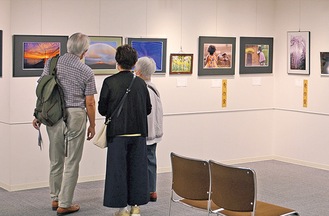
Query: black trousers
[[126, 181]]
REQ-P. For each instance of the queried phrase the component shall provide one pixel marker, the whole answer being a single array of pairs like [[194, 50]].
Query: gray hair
[[77, 44], [146, 66]]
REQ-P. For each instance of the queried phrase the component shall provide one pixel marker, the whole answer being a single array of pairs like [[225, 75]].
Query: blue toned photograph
[[151, 47]]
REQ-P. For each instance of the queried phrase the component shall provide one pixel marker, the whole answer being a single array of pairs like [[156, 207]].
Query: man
[[66, 138], [144, 68]]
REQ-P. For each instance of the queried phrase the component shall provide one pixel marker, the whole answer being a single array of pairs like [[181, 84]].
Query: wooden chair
[[234, 191], [190, 182]]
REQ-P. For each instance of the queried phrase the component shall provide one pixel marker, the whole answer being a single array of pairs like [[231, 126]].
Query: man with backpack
[[67, 136]]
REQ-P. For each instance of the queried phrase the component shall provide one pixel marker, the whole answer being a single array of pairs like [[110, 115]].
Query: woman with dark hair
[[126, 181], [211, 60]]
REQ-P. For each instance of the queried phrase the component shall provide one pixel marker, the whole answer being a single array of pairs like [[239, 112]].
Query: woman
[[126, 181], [144, 68]]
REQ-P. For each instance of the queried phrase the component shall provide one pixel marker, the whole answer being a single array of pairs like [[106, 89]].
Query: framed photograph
[[101, 54], [181, 63], [299, 52], [324, 61], [155, 48], [0, 53], [256, 55], [216, 56], [32, 51]]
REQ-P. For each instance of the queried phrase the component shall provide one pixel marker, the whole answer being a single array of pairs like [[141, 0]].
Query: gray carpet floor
[[297, 187]]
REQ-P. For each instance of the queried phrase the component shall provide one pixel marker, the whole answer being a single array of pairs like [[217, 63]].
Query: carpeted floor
[[297, 187]]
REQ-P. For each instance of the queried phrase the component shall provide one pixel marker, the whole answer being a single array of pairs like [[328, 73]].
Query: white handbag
[[100, 138]]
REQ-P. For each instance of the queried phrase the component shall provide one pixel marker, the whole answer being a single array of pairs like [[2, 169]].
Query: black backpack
[[50, 105]]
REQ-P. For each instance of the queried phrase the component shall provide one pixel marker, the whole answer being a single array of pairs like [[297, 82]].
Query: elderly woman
[[144, 68]]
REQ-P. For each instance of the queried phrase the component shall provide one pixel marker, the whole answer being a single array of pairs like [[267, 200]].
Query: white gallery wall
[[264, 117], [301, 133]]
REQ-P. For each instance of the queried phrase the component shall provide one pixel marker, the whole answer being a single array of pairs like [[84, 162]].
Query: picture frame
[[155, 48], [216, 55], [181, 63], [0, 53], [256, 55], [32, 51], [101, 54], [324, 63], [298, 52]]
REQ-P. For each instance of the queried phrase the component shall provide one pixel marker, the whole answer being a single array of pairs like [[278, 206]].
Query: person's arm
[[148, 102], [91, 113], [103, 100]]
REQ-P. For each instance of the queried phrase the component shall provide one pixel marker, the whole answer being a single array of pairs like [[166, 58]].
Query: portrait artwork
[[299, 52]]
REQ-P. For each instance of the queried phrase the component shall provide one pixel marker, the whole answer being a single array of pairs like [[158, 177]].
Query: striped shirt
[[76, 78]]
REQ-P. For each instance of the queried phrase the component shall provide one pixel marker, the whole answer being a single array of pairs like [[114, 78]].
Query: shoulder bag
[[100, 138]]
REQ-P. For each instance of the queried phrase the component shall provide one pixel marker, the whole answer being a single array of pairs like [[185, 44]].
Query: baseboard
[[4, 186], [20, 187], [230, 162], [302, 163], [247, 160], [164, 169], [91, 178]]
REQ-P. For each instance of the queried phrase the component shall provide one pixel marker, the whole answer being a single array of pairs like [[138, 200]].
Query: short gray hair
[[78, 43], [146, 66]]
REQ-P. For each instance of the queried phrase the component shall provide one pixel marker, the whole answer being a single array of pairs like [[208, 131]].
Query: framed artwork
[[299, 52], [181, 63], [256, 55], [32, 51], [216, 56], [0, 53], [324, 61], [101, 54], [155, 48]]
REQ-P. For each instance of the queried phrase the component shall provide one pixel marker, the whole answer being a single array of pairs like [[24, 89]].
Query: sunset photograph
[[37, 53]]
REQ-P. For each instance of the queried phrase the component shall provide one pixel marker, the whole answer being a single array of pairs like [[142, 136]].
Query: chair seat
[[201, 204], [262, 209]]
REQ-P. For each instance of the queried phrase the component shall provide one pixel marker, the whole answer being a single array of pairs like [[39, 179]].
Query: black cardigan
[[133, 117]]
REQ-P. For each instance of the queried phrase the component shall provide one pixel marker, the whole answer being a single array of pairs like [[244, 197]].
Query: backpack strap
[[53, 65], [53, 71]]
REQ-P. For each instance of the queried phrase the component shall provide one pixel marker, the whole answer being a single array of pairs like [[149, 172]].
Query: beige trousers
[[64, 170]]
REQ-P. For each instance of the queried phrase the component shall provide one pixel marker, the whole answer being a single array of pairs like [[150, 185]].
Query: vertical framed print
[[324, 63], [0, 53], [299, 52]]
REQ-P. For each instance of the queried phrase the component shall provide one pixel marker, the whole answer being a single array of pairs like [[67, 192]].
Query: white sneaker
[[122, 213], [135, 211]]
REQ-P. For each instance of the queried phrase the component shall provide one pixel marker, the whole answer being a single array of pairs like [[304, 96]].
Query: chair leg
[[170, 202]]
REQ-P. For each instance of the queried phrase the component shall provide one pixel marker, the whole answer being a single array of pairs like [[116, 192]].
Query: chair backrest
[[190, 177], [233, 188]]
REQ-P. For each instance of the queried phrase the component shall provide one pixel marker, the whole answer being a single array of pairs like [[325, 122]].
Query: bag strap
[[152, 88], [53, 72], [119, 107], [53, 65]]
